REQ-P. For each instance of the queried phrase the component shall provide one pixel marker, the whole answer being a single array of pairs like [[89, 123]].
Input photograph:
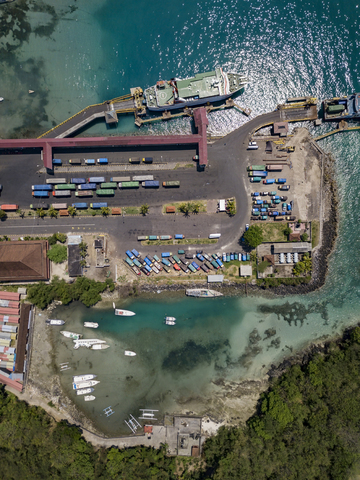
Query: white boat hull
[[89, 383], [74, 336], [124, 313], [129, 353], [89, 398], [100, 346], [91, 324], [83, 378], [55, 322], [84, 391]]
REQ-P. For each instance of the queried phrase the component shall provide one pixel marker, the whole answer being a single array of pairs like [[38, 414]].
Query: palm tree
[[195, 207], [53, 212], [72, 211], [105, 211], [144, 209], [40, 212]]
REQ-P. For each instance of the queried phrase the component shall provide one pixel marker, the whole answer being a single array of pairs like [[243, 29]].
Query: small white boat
[[74, 336], [89, 383], [84, 391], [83, 378], [123, 313], [100, 346], [54, 322], [31, 91], [91, 324], [1, 99], [89, 398], [129, 353], [87, 342], [170, 320]]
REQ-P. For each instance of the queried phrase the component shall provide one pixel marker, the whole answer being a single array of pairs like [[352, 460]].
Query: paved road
[[225, 177]]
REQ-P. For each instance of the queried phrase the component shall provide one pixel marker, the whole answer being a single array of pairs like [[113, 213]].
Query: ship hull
[[191, 104]]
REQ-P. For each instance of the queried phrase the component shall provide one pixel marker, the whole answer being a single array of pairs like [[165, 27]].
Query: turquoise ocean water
[[77, 53]]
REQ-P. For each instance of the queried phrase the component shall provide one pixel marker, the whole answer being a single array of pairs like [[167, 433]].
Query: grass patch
[[274, 232], [131, 210], [202, 203], [181, 165], [315, 233], [263, 266]]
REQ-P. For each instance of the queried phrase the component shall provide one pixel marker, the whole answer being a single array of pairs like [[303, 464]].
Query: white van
[[215, 235]]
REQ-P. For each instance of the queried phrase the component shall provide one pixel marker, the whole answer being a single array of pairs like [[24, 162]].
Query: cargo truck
[[54, 181], [150, 183], [90, 161], [87, 186], [108, 185], [129, 262], [166, 262], [65, 186], [195, 265], [258, 173], [257, 167], [43, 188], [134, 160], [98, 205], [274, 168], [255, 179], [80, 205], [130, 254], [135, 252], [129, 185], [142, 237], [35, 206], [96, 179], [84, 193], [78, 181], [105, 192], [59, 206], [268, 181], [192, 268], [75, 161], [102, 161], [40, 193], [9, 207], [148, 160], [120, 179], [281, 180], [179, 236], [142, 178], [165, 237], [61, 193], [278, 218], [153, 237], [166, 254], [57, 161], [172, 183]]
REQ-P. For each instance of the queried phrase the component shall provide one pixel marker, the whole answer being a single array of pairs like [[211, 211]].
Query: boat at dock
[[203, 293], [100, 346], [170, 320], [342, 108], [54, 322], [84, 391], [89, 383], [91, 324], [89, 398], [74, 336], [214, 86], [83, 378], [129, 353]]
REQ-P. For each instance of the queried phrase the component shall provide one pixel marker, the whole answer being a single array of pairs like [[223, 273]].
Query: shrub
[[3, 215], [57, 254]]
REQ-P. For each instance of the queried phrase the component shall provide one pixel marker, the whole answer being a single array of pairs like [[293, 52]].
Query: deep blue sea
[[77, 53]]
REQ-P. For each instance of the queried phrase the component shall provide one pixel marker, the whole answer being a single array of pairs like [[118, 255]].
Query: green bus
[[108, 185], [129, 184], [65, 186], [105, 192]]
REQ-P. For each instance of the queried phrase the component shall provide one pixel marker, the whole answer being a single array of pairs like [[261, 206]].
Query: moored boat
[[91, 324], [205, 87], [203, 293], [340, 108], [124, 313], [74, 336], [89, 383], [170, 320], [84, 391], [83, 378], [100, 346], [87, 342], [129, 353], [54, 322], [89, 398]]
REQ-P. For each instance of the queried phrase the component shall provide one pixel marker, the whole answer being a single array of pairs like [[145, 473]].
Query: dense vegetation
[[57, 253], [83, 289], [307, 427], [253, 236]]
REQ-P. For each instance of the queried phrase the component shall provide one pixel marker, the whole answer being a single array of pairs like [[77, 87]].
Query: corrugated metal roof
[[299, 247], [215, 278], [245, 270], [74, 239]]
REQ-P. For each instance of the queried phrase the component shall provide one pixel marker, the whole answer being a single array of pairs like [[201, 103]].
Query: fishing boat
[[54, 322], [84, 391], [89, 398], [74, 336], [89, 383], [83, 378], [170, 320], [202, 293], [91, 324], [205, 87], [129, 353], [100, 346]]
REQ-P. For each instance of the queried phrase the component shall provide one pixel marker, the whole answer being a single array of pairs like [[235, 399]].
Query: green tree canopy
[[57, 254], [144, 209], [253, 236]]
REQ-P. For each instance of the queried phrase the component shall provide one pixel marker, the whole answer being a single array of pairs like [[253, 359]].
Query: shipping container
[[102, 161], [134, 160], [142, 178], [129, 185], [75, 161], [35, 206], [255, 179], [281, 180], [105, 192], [61, 193], [40, 193], [153, 237], [65, 186], [258, 173], [109, 185], [274, 168], [150, 184], [142, 237], [148, 160], [43, 188], [257, 167], [172, 183], [57, 161], [59, 206], [179, 236], [78, 181], [87, 186], [54, 181], [269, 181], [84, 193], [96, 179], [80, 205], [98, 205], [120, 179], [90, 161], [165, 237]]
